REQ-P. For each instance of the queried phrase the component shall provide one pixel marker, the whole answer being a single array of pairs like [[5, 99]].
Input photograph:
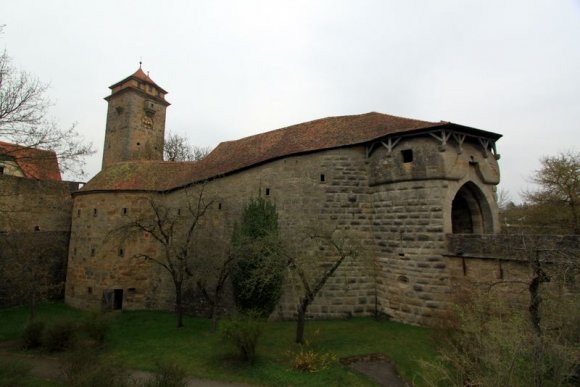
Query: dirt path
[[48, 368]]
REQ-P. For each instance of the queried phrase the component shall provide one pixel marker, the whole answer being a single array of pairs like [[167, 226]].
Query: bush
[[59, 336], [243, 332], [258, 272], [168, 375], [32, 334], [308, 359], [83, 368], [97, 326]]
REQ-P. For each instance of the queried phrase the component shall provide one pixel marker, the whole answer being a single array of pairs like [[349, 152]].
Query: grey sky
[[235, 68]]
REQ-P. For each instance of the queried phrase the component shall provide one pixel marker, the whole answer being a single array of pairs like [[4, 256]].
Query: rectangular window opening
[[90, 290], [219, 206], [93, 251], [322, 177], [121, 253], [267, 191], [407, 155], [124, 210], [94, 212], [78, 213], [1, 170]]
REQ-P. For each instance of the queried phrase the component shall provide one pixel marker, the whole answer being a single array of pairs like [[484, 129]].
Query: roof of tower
[[232, 156], [34, 163], [139, 75]]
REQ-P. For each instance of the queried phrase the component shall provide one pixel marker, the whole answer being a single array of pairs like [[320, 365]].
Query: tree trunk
[[300, 322], [178, 306]]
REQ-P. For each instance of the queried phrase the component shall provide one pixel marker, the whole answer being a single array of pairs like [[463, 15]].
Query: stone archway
[[470, 211]]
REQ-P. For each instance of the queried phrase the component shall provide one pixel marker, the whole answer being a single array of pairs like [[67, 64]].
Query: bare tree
[[214, 271], [559, 186], [24, 119], [178, 148], [175, 233], [314, 271]]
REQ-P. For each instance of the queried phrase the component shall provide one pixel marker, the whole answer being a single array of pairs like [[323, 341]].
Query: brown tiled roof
[[35, 163], [231, 156], [140, 75]]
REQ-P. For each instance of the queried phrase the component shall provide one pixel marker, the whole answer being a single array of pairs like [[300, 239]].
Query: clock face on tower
[[147, 122]]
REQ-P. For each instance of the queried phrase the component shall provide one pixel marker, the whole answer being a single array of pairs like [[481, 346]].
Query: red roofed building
[[31, 163], [399, 185]]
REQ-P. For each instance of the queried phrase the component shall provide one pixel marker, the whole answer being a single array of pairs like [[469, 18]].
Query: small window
[[179, 211], [121, 253], [407, 155], [1, 170], [132, 291], [267, 191], [36, 228], [93, 252], [90, 290], [138, 143], [78, 213], [219, 206], [94, 212], [322, 177], [124, 210]]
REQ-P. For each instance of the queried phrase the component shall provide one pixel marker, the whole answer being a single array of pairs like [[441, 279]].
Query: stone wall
[[398, 209], [34, 222]]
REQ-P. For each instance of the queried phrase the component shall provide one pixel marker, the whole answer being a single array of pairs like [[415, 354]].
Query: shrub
[[97, 326], [168, 375], [308, 359], [258, 273], [59, 336], [83, 368], [32, 334], [243, 332]]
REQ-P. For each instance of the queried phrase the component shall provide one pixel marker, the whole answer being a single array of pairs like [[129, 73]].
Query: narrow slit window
[[124, 210], [219, 206], [93, 252], [90, 290], [407, 155], [322, 177], [267, 191], [179, 211], [121, 252], [78, 213], [94, 212]]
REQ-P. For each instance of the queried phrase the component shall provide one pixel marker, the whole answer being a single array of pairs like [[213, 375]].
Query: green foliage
[[32, 334], [243, 332], [59, 336], [168, 374], [258, 273], [307, 358], [96, 326]]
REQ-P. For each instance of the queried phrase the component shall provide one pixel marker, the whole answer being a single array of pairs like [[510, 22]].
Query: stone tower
[[135, 120]]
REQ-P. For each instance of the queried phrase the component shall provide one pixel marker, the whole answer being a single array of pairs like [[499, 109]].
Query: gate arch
[[470, 211]]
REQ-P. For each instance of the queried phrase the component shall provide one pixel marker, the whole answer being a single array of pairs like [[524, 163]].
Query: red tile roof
[[231, 156], [35, 163], [140, 75]]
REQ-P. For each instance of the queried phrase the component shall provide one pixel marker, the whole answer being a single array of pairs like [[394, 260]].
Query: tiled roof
[[140, 75], [35, 163], [231, 156]]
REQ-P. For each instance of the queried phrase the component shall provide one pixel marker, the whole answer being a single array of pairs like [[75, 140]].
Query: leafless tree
[[24, 119], [314, 270], [558, 183], [175, 233], [178, 148]]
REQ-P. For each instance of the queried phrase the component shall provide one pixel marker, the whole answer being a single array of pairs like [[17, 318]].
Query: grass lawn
[[140, 339]]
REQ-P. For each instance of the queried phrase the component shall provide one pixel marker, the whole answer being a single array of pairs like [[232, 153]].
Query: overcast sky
[[236, 68]]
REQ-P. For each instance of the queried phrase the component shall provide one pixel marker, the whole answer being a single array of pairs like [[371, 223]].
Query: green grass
[[141, 339]]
